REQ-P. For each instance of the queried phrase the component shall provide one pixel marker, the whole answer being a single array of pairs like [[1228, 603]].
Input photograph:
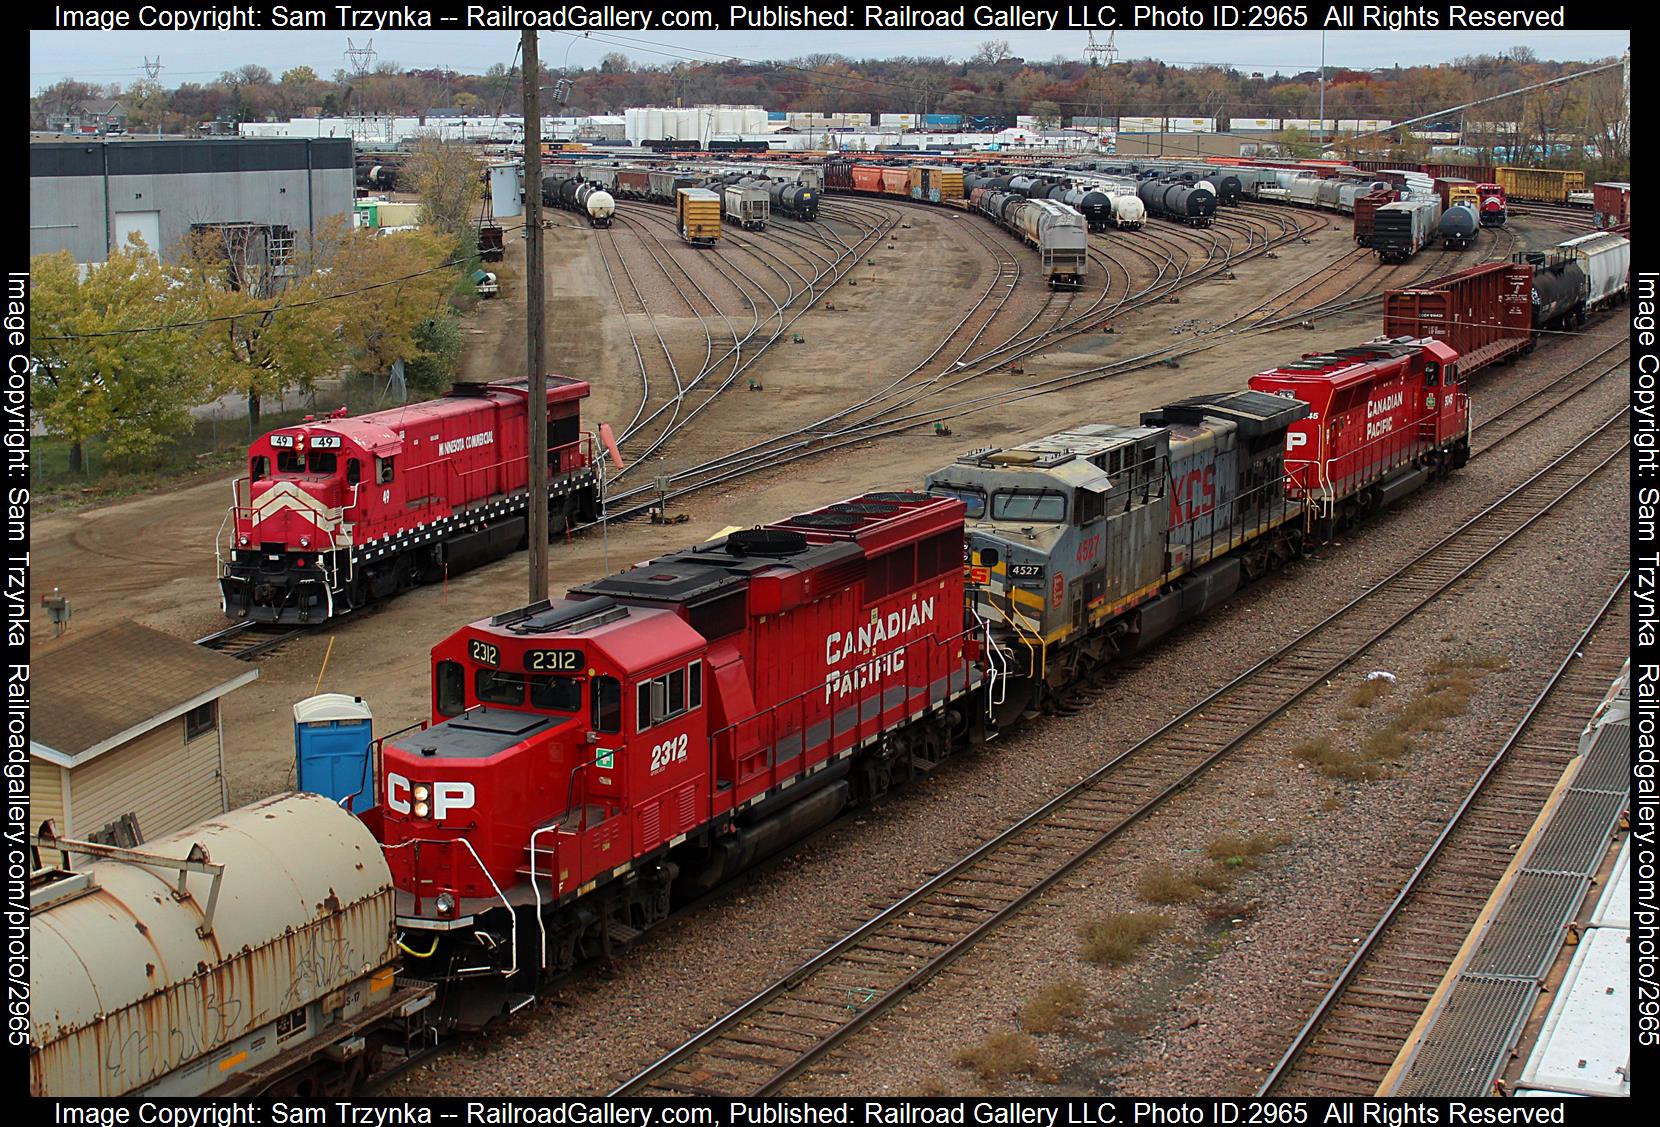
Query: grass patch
[[1331, 802], [1054, 1006], [1161, 886], [1334, 762], [1238, 852], [1004, 1053], [1368, 693], [1119, 938]]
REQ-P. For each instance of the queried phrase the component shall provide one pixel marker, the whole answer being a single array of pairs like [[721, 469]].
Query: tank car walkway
[[1487, 1011]]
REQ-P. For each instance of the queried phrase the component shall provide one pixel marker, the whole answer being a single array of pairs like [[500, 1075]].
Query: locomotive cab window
[[495, 687], [661, 698], [972, 499], [260, 468], [606, 705], [1432, 374], [383, 471], [451, 684], [555, 694], [322, 462], [1045, 507], [290, 462], [354, 471]]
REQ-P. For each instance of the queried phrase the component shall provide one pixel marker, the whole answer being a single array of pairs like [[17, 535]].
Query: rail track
[[763, 1044], [1357, 1029], [248, 640]]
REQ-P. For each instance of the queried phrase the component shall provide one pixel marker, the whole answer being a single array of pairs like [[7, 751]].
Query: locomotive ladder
[[769, 1040]]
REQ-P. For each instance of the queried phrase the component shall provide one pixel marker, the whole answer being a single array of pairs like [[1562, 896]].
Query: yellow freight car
[[697, 211], [1548, 185], [935, 184]]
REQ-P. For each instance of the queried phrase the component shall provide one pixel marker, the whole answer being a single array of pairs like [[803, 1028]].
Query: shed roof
[[96, 691]]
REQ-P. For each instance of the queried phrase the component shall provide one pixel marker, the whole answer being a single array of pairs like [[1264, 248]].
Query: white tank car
[[1128, 212], [601, 205]]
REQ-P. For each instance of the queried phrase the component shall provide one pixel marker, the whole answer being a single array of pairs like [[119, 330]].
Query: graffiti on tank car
[[853, 658], [456, 445], [1192, 496]]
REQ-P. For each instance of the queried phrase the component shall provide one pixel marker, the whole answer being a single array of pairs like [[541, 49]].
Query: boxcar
[[1400, 230], [1484, 313], [1547, 185], [697, 214], [1611, 202]]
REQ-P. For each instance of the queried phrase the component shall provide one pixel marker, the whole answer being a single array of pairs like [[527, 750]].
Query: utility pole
[[1322, 129], [535, 341]]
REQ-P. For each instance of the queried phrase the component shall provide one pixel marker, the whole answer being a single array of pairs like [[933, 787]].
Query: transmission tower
[[359, 58], [152, 69], [1098, 51]]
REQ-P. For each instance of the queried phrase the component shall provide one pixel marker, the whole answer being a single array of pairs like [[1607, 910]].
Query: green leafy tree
[[433, 370], [396, 282], [92, 378], [267, 331], [447, 178]]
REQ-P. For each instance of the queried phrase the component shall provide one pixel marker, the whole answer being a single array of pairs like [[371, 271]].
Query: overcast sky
[[118, 56]]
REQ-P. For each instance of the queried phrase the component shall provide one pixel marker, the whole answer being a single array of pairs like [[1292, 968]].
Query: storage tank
[[131, 983]]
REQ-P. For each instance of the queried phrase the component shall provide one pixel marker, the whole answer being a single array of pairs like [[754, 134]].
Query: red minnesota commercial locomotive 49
[[658, 729], [1385, 417], [336, 512]]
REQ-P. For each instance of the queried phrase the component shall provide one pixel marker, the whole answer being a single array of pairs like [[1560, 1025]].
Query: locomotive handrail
[[512, 916]]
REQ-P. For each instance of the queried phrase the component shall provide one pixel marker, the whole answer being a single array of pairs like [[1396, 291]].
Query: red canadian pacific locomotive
[[1384, 418], [336, 512], [656, 730]]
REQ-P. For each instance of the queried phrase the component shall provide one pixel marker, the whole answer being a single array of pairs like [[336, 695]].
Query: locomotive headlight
[[305, 541], [446, 904], [242, 541], [420, 810], [421, 792]]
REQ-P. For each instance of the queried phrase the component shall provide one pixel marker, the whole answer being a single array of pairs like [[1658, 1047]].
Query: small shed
[[126, 741]]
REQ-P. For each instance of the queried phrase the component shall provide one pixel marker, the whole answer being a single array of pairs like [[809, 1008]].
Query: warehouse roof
[[94, 692]]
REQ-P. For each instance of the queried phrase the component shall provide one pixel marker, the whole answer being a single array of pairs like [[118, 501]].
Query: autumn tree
[[94, 375], [266, 328], [446, 177], [397, 283]]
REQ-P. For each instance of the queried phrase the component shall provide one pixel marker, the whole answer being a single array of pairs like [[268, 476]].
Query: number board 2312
[[555, 661]]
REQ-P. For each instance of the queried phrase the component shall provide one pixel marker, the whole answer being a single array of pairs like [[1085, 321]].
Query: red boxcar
[[336, 512], [664, 725], [1386, 417], [1366, 213], [1612, 203], [867, 178], [1485, 313]]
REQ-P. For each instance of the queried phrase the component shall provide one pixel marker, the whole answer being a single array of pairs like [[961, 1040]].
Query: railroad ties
[[248, 640]]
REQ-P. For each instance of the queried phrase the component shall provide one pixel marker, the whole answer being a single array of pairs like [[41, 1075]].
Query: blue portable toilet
[[333, 749]]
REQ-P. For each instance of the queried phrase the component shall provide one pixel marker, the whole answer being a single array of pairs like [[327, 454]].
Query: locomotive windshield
[[547, 693], [973, 499], [1049, 508]]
